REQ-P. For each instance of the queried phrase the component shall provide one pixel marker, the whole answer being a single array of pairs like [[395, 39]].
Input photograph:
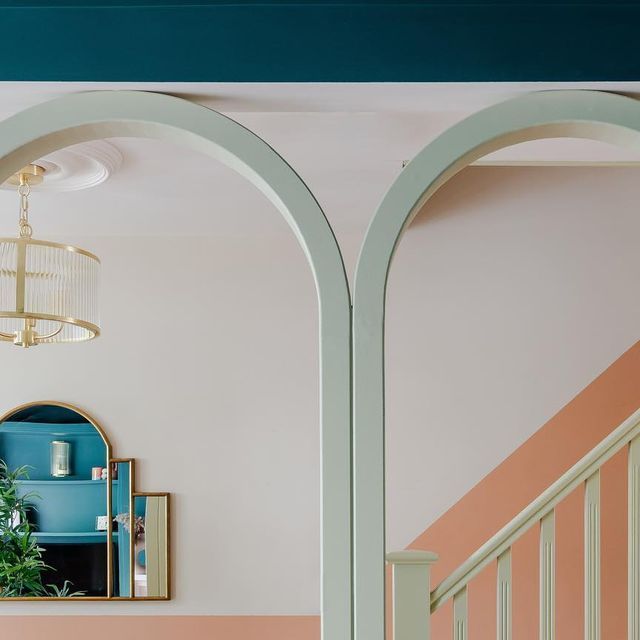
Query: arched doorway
[[581, 114], [83, 117]]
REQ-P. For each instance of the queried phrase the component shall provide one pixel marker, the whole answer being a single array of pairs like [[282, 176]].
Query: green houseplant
[[21, 563]]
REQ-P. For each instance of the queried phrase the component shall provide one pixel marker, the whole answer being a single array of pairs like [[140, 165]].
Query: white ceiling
[[348, 142]]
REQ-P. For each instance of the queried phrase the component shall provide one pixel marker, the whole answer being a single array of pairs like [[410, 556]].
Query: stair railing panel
[[411, 611]]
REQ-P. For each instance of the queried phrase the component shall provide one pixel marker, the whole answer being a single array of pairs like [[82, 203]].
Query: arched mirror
[[72, 525]]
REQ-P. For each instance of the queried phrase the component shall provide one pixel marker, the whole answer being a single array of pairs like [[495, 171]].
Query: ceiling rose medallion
[[80, 166], [48, 291]]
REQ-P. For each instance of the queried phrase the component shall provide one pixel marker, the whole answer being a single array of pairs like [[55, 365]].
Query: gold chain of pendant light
[[28, 336], [24, 189]]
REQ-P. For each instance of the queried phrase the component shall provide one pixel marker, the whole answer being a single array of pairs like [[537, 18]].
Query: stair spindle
[[547, 577], [633, 540], [592, 558], [460, 622], [504, 595]]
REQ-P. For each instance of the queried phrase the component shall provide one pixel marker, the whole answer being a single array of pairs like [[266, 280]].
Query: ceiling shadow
[[479, 186]]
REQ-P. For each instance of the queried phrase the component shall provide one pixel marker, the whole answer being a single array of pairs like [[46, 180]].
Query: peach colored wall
[[561, 442], [161, 627]]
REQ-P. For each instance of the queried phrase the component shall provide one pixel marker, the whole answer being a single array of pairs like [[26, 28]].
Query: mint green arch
[[581, 114], [76, 118]]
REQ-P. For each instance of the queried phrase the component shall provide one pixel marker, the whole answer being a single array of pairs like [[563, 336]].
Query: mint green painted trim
[[547, 563], [592, 599], [411, 571], [504, 601], [460, 615], [89, 116], [584, 114]]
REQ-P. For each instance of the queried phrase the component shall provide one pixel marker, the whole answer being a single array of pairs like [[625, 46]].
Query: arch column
[[581, 114], [76, 118]]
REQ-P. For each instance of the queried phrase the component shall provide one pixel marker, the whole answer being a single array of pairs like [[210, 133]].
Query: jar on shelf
[[60, 465]]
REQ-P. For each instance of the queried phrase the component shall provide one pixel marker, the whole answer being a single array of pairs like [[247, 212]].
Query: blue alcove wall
[[24, 443]]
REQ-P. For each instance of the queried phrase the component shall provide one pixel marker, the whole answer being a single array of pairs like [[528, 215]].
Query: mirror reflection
[[55, 518], [150, 561], [122, 489], [71, 522]]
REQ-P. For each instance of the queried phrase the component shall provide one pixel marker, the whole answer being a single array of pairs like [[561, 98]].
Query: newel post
[[411, 594]]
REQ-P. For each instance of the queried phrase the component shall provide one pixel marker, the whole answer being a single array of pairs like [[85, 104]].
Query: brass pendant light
[[48, 291]]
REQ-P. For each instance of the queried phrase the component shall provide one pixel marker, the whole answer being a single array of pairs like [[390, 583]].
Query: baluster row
[[547, 571], [411, 588]]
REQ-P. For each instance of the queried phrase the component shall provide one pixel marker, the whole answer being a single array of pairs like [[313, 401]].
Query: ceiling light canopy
[[48, 291]]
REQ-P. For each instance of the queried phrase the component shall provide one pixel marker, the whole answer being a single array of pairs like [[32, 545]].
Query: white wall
[[517, 290], [207, 374], [506, 298]]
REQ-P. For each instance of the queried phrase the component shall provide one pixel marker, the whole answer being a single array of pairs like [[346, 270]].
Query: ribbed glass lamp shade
[[48, 292]]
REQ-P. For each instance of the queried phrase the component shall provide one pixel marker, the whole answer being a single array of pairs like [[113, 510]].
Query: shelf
[[48, 430], [64, 481], [77, 537]]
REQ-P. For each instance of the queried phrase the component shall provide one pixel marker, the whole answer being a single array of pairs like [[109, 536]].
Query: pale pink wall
[[161, 627], [577, 428]]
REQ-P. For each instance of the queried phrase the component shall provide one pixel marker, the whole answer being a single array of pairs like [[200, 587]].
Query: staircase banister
[[536, 510]]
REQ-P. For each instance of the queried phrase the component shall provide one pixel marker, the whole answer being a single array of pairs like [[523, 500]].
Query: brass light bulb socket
[[26, 337]]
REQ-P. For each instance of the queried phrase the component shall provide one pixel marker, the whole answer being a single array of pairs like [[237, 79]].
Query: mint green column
[[584, 114]]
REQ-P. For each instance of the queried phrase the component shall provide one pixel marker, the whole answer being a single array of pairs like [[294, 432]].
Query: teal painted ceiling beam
[[318, 41]]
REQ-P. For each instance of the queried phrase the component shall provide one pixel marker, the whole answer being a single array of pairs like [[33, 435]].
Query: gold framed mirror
[[72, 524]]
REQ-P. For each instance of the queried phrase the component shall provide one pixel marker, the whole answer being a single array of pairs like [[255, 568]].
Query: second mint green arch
[[580, 114], [76, 118]]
